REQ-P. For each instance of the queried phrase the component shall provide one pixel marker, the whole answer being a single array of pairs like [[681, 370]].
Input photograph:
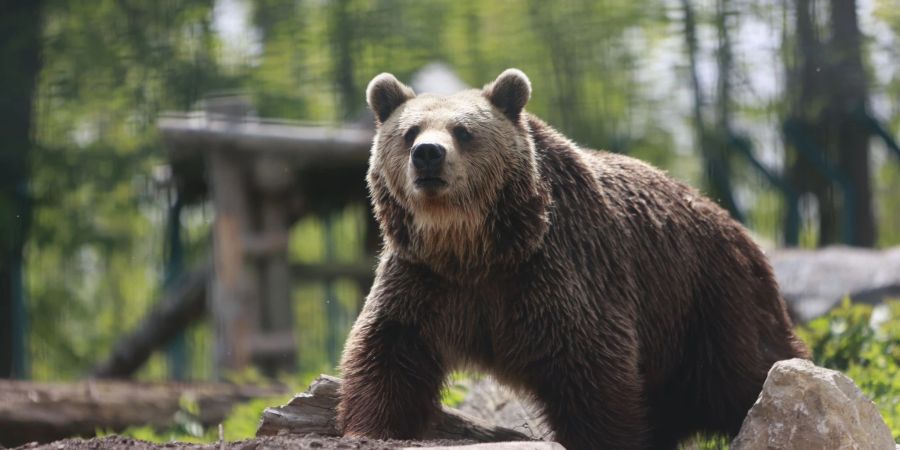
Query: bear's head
[[454, 179]]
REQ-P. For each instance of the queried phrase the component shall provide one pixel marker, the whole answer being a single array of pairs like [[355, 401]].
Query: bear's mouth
[[430, 183]]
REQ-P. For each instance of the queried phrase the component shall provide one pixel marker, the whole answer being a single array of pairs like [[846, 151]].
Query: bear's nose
[[428, 157]]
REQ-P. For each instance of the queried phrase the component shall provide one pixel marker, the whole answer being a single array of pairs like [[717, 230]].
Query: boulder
[[814, 281], [803, 406]]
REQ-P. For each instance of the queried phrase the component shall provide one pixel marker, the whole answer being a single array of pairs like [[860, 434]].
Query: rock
[[499, 446], [807, 407], [314, 412], [490, 401], [814, 281]]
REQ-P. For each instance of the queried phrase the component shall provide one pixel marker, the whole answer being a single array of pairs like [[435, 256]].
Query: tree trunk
[[848, 100], [712, 141], [343, 31], [828, 85], [20, 31]]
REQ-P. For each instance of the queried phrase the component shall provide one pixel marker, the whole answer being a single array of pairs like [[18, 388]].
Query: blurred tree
[[20, 31], [601, 73], [713, 136], [342, 31], [95, 249], [828, 97]]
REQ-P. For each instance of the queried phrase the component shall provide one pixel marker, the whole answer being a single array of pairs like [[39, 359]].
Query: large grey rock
[[814, 281], [807, 407]]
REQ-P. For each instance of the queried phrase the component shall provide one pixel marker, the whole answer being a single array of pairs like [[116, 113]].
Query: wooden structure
[[261, 176]]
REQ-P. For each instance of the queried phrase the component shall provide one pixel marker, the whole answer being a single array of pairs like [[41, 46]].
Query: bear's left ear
[[509, 92], [385, 93]]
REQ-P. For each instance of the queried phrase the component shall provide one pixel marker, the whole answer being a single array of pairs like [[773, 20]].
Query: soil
[[262, 443]]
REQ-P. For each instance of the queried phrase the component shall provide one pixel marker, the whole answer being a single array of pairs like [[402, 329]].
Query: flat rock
[[499, 446], [803, 406], [488, 400]]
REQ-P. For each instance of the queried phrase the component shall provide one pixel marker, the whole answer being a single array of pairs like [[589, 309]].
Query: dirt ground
[[263, 443]]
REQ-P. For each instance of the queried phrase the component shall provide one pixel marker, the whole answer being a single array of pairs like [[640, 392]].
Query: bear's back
[[670, 253]]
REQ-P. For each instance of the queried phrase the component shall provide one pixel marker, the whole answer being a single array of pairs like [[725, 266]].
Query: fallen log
[[314, 412], [45, 412]]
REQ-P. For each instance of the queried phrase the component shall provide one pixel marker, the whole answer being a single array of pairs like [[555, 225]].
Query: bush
[[864, 343]]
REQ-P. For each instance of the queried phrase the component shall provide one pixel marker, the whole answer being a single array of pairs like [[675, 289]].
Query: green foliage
[[94, 258], [863, 343], [605, 73], [706, 443], [456, 389]]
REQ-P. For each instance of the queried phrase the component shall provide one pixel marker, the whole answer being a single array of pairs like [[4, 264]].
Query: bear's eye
[[411, 134], [462, 134]]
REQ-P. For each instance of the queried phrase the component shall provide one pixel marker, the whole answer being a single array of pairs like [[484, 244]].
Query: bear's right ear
[[385, 93], [509, 92]]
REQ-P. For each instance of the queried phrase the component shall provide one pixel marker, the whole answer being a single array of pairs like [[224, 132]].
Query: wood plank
[[196, 133]]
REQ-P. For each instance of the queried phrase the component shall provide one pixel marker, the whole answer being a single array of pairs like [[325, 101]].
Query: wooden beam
[[362, 271], [179, 308], [187, 134]]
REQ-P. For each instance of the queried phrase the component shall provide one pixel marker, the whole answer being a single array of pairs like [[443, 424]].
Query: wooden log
[[314, 412], [179, 308], [45, 412]]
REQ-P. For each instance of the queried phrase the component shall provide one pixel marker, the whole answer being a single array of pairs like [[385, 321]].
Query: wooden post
[[233, 296], [275, 348]]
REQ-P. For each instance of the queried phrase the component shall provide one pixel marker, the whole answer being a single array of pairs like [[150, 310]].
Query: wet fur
[[635, 311]]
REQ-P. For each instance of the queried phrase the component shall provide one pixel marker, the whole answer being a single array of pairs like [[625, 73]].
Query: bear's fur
[[635, 311]]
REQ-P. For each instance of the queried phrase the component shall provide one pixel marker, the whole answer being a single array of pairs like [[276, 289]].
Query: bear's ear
[[509, 92], [385, 93]]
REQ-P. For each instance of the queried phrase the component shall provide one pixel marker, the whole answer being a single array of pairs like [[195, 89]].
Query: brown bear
[[632, 309]]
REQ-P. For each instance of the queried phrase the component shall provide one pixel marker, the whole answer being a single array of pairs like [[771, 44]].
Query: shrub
[[864, 343]]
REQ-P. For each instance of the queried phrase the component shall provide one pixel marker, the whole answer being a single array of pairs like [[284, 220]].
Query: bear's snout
[[428, 158], [428, 161]]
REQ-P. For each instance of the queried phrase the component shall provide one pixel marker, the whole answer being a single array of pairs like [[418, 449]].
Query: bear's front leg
[[392, 378]]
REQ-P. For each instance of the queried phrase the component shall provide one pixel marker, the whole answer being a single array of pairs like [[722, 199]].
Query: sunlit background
[[731, 96]]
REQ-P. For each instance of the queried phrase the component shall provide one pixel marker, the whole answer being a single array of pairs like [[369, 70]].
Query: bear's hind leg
[[592, 406]]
